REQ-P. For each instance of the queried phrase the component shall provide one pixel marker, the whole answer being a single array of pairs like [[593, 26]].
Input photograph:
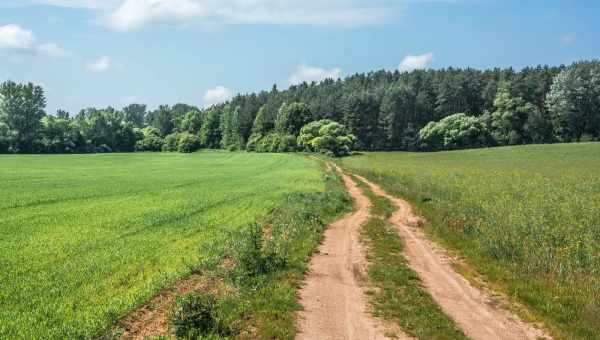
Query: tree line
[[419, 110]]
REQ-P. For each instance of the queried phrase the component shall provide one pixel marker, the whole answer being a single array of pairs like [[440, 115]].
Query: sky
[[114, 52]]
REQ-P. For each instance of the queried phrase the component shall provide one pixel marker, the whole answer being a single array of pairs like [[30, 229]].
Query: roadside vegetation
[[261, 266], [396, 292], [526, 217], [87, 238]]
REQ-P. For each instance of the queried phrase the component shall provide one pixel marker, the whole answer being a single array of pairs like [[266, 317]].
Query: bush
[[327, 137], [150, 141], [195, 315], [287, 143], [188, 143], [171, 142], [457, 131]]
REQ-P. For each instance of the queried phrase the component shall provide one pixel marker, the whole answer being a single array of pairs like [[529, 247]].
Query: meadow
[[86, 238], [526, 217]]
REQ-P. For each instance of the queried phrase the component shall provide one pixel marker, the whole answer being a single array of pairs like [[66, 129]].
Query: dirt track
[[332, 298], [473, 309]]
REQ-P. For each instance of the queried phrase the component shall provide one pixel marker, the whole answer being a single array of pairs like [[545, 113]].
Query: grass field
[[85, 238], [528, 217]]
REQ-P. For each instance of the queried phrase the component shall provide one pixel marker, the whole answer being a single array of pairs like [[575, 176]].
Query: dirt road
[[333, 303], [473, 309]]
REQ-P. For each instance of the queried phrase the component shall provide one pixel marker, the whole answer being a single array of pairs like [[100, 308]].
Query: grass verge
[[262, 267], [397, 294]]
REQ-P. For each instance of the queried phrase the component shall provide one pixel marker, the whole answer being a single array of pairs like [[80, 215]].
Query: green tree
[[151, 140], [457, 131], [292, 117], [326, 136], [135, 114], [574, 101], [210, 132], [510, 117], [163, 120], [231, 136], [188, 143], [262, 125], [192, 122], [21, 109]]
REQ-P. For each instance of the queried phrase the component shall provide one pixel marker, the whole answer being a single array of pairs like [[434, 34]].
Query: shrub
[[195, 315], [457, 131], [188, 143], [171, 142], [287, 143], [150, 141], [327, 137]]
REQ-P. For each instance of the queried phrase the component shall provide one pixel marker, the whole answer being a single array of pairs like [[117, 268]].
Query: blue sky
[[113, 52]]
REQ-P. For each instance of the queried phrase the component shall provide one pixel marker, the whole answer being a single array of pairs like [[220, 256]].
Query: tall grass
[[86, 238], [528, 217]]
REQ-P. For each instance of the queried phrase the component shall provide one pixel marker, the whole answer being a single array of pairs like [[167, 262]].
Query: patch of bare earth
[[475, 309], [334, 305], [151, 319]]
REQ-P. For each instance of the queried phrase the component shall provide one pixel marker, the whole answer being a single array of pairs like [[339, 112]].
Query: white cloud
[[415, 62], [53, 50], [16, 37], [100, 65], [91, 4], [309, 74], [131, 15], [217, 95]]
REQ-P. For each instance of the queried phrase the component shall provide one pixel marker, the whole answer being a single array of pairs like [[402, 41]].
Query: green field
[[528, 217], [85, 238]]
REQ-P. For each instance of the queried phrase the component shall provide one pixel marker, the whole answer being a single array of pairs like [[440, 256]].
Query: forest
[[422, 110]]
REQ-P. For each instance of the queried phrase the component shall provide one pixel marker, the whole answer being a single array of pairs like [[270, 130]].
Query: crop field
[[86, 238], [527, 217]]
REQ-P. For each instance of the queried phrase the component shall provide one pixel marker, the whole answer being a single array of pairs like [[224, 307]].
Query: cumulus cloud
[[130, 15], [309, 74], [16, 37], [217, 95], [415, 62], [100, 65]]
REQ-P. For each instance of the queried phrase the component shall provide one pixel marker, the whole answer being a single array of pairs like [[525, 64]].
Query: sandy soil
[[332, 298], [150, 320], [473, 309]]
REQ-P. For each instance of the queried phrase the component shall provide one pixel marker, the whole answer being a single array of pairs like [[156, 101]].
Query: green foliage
[[267, 260], [210, 133], [171, 143], [106, 232], [60, 135], [106, 130], [135, 114], [524, 216], [292, 117], [5, 137], [163, 120], [574, 102], [188, 143], [151, 140], [262, 125], [231, 136], [509, 119], [192, 122], [196, 315], [327, 137], [21, 109], [457, 131]]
